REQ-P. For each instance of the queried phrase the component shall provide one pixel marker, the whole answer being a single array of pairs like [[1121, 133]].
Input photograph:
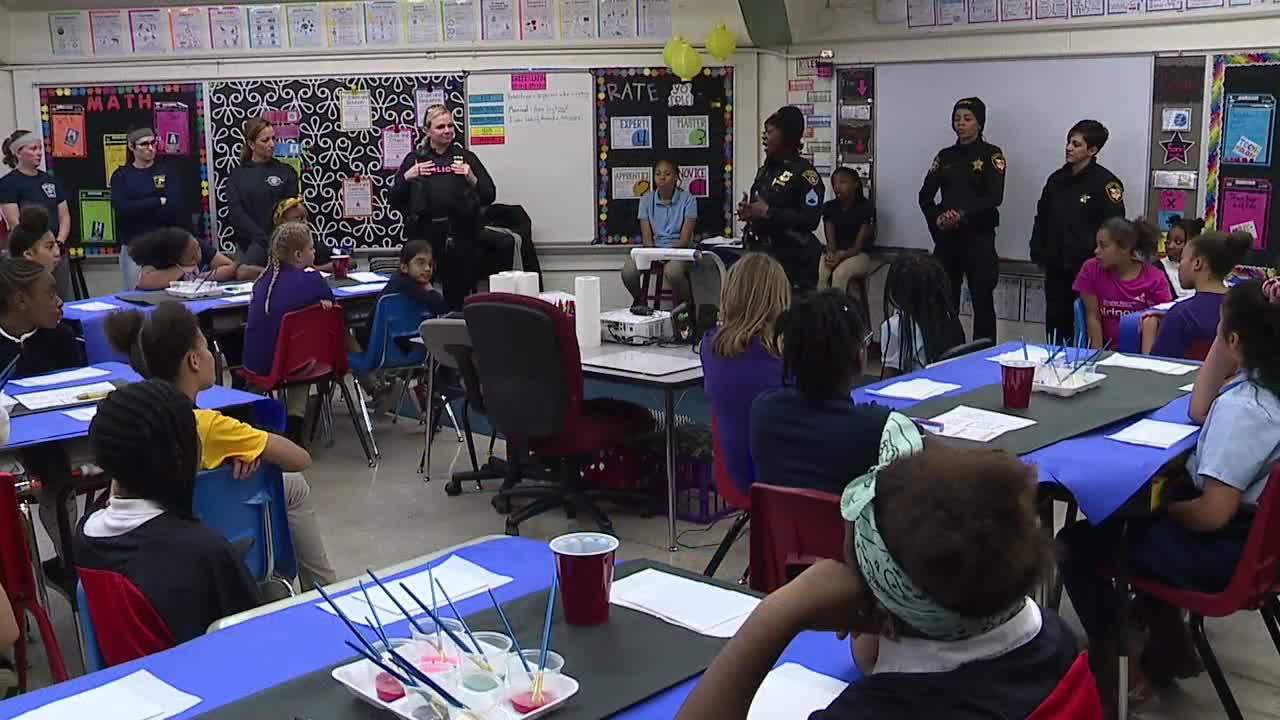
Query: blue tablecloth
[[230, 664], [52, 425], [1099, 472]]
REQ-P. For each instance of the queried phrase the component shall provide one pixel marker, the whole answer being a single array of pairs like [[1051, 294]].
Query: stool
[[657, 267], [857, 289]]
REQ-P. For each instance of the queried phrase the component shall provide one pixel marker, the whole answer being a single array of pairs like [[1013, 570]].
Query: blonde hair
[[755, 293], [434, 112], [288, 238]]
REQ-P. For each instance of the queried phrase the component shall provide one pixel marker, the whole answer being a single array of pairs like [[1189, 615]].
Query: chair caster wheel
[[501, 504], [513, 529], [453, 489]]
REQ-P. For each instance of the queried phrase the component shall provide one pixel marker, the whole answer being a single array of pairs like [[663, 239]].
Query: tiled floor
[[376, 517]]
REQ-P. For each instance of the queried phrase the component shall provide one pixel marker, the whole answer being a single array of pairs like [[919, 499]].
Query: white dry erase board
[[535, 133], [1030, 106]]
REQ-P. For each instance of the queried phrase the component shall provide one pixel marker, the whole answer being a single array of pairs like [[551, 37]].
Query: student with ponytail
[[921, 323], [1120, 278], [27, 185], [1190, 326], [284, 286]]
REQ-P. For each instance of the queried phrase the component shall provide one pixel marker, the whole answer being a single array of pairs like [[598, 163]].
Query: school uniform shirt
[[224, 438], [848, 222], [44, 350], [1072, 207], [1118, 297], [794, 192], [1004, 673], [971, 179], [667, 217], [40, 189], [293, 289], [426, 297], [1240, 440], [891, 346], [188, 572], [732, 384], [253, 191], [1170, 267], [797, 441], [1188, 321], [135, 197]]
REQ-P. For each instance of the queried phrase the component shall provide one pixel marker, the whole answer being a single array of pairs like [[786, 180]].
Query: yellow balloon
[[721, 43], [686, 62], [668, 50]]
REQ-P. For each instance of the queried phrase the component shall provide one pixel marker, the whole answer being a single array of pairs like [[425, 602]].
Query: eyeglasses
[[146, 143]]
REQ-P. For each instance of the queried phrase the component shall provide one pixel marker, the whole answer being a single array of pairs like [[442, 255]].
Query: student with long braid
[[284, 286], [921, 323]]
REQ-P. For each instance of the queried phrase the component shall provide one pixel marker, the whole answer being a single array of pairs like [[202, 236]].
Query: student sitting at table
[[1208, 502], [742, 357], [31, 321], [1190, 326], [923, 324], [810, 433], [166, 255], [144, 436], [33, 240], [294, 210], [942, 547], [1119, 278], [1181, 232], [168, 344]]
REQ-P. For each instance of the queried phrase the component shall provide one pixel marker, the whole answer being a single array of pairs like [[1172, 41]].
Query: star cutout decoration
[[1175, 149], [977, 166]]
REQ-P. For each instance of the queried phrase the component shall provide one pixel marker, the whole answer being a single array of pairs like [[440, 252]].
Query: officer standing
[[970, 175], [441, 188], [785, 205], [1077, 198]]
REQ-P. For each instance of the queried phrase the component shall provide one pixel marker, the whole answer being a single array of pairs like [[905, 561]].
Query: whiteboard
[[1031, 104], [544, 160]]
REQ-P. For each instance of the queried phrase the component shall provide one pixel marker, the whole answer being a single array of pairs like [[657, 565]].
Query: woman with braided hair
[[921, 323]]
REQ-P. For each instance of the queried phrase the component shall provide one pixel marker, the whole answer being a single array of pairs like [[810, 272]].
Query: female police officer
[[440, 189], [785, 205]]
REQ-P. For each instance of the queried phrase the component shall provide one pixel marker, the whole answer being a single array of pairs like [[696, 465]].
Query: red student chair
[[311, 350], [1253, 586], [1075, 697], [530, 367], [791, 529], [728, 491], [18, 577], [125, 623]]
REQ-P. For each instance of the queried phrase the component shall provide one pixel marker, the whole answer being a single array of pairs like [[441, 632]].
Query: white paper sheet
[[233, 299], [460, 577], [367, 277], [46, 399], [1035, 353], [358, 289], [793, 691], [978, 425], [1135, 362], [917, 389], [84, 414], [93, 306], [687, 603], [1153, 433], [645, 363], [140, 696], [67, 376], [1188, 387], [7, 401]]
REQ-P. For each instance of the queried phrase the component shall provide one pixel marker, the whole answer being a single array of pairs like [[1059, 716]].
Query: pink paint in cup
[[584, 564], [1016, 377]]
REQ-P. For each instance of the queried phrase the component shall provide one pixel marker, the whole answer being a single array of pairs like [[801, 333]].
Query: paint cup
[[341, 265], [481, 692], [584, 564], [1016, 377], [495, 648], [520, 683], [437, 653]]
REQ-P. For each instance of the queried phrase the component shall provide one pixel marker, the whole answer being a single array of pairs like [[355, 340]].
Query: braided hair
[[144, 436], [919, 291], [287, 239], [157, 344], [18, 275], [822, 340]]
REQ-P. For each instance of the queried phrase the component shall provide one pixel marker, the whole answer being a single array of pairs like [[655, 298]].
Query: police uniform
[[971, 179], [442, 208], [1071, 209], [794, 192]]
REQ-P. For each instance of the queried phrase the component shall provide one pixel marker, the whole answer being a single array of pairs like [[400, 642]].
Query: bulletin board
[[647, 114], [1244, 163], [326, 148], [84, 130]]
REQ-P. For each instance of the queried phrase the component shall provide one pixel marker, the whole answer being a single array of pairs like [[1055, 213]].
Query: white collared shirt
[[121, 515], [919, 655], [18, 340]]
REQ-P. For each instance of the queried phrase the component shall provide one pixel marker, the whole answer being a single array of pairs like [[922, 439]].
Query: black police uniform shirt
[[794, 192], [1071, 208], [253, 191], [40, 189], [441, 193], [971, 179]]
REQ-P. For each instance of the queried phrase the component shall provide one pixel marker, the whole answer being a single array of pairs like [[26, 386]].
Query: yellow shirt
[[223, 438]]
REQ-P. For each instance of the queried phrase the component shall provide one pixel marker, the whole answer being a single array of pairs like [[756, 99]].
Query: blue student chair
[[395, 322], [252, 511], [93, 661]]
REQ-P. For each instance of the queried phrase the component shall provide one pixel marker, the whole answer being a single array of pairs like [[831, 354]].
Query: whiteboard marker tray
[[1051, 385]]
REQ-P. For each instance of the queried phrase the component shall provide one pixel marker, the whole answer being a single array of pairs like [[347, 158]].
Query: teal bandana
[[888, 582]]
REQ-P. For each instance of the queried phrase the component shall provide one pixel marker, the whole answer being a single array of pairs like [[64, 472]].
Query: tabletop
[[644, 364], [265, 650]]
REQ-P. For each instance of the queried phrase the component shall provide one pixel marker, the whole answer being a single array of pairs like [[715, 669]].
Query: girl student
[[33, 240], [948, 629], [27, 185], [1119, 278], [921, 321], [293, 209], [1190, 326], [1208, 502], [170, 254], [809, 432], [668, 219], [1181, 232], [849, 228], [742, 356], [168, 344]]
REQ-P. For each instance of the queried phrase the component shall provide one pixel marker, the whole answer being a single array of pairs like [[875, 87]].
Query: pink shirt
[[1117, 297]]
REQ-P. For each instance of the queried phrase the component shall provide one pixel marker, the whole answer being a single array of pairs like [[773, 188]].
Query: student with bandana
[[26, 185], [785, 204], [970, 176], [145, 197], [947, 627]]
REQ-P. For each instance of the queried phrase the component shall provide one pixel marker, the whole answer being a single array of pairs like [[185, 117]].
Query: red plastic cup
[[1016, 377], [584, 564], [341, 265]]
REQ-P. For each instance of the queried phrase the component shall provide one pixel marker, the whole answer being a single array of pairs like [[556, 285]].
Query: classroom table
[[271, 645]]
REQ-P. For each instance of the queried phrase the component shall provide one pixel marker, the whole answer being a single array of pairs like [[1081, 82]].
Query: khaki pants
[[308, 546], [674, 276], [839, 276]]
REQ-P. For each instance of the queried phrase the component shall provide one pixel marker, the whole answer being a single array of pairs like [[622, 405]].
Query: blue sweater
[[135, 196]]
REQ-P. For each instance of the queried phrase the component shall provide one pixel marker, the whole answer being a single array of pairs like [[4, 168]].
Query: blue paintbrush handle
[[416, 625], [503, 616], [546, 623], [434, 618]]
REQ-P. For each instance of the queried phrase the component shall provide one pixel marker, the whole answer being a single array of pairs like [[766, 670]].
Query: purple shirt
[[293, 289], [1118, 297], [732, 384], [1191, 321]]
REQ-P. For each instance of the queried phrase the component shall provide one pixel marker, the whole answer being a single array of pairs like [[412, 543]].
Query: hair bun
[[34, 219]]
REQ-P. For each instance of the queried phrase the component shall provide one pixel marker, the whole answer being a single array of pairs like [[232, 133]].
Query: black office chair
[[974, 346]]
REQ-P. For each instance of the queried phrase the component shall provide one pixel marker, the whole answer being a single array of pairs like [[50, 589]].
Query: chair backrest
[[529, 364], [16, 572], [248, 511], [1258, 571], [791, 529], [126, 624], [1074, 698], [385, 264], [1198, 350], [93, 660], [449, 344], [706, 278], [966, 348], [725, 486], [394, 317], [310, 337], [1081, 339]]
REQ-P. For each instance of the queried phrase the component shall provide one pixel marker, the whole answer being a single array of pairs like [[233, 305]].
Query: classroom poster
[[488, 113], [617, 18], [460, 21], [287, 124], [397, 143], [423, 98], [630, 183], [1206, 4], [1016, 10], [173, 128], [1124, 7], [343, 25], [355, 111], [952, 12], [1052, 9], [695, 179], [921, 13], [688, 131], [1088, 8], [1154, 6], [422, 21], [984, 11], [115, 153], [190, 28], [655, 18], [496, 20], [537, 20], [357, 197], [1246, 204], [305, 25], [149, 30], [266, 27], [107, 30], [382, 22], [69, 33], [578, 20], [226, 27], [631, 133], [67, 131], [1250, 121], [97, 221]]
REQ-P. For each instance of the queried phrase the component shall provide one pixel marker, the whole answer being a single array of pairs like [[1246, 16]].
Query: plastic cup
[[438, 655], [496, 648], [520, 683], [1016, 377], [584, 564], [482, 692], [521, 697], [341, 265]]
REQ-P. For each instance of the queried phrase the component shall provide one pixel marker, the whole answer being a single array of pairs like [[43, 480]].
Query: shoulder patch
[[811, 199], [1115, 192], [936, 165], [811, 175], [998, 162]]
